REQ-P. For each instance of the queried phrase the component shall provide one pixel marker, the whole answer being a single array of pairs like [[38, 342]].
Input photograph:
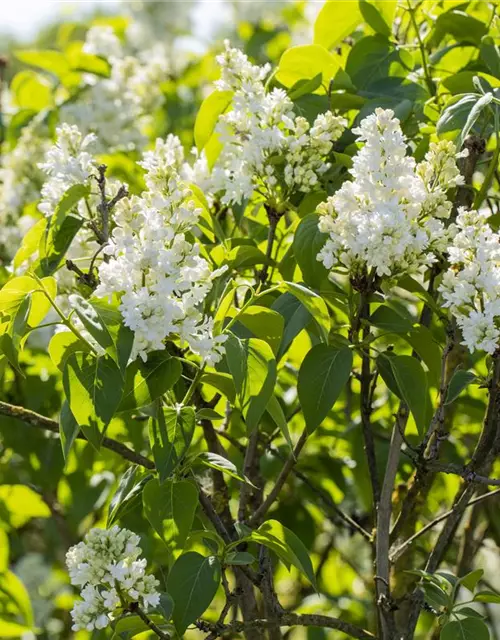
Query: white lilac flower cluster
[[68, 162], [265, 146], [107, 568], [471, 285], [20, 183], [158, 272], [389, 219], [270, 13], [153, 23], [117, 109]]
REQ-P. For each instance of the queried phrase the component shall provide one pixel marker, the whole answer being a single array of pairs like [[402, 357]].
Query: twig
[[41, 422], [293, 620], [382, 563], [257, 517], [274, 217], [398, 552], [231, 597], [248, 467], [330, 504], [135, 608]]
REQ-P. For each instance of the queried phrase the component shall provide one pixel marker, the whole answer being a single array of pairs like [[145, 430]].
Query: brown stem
[[249, 471], [274, 217], [135, 608], [41, 422], [258, 516], [295, 620], [399, 551], [382, 562]]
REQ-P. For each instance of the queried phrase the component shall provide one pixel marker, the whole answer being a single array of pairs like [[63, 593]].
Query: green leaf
[[215, 461], [62, 345], [192, 583], [307, 243], [239, 558], [93, 388], [296, 317], [122, 338], [287, 546], [459, 381], [303, 87], [30, 243], [4, 551], [334, 22], [265, 324], [454, 116], [413, 386], [166, 605], [253, 368], [388, 319], [54, 248], [9, 350], [49, 60], [225, 305], [223, 382], [13, 294], [88, 63], [91, 320], [374, 18], [69, 200], [435, 595], [474, 114], [170, 508], [423, 342], [68, 429], [467, 629], [208, 414], [9, 629], [170, 434], [245, 255], [490, 53], [314, 304], [209, 539], [276, 412], [211, 108], [20, 504], [463, 27], [369, 61], [30, 90], [470, 580], [487, 596], [130, 626], [127, 481], [147, 381], [305, 62], [322, 376], [128, 496], [468, 612], [17, 596]]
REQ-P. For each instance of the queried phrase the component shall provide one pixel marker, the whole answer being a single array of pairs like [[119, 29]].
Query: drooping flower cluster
[[159, 274], [107, 568], [119, 108], [68, 162], [152, 23], [389, 219], [265, 146], [471, 286], [20, 183]]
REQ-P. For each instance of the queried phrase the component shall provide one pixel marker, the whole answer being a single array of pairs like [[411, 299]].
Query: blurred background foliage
[[381, 59]]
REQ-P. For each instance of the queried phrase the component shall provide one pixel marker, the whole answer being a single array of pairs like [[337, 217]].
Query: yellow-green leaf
[[336, 21], [304, 62], [211, 108]]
